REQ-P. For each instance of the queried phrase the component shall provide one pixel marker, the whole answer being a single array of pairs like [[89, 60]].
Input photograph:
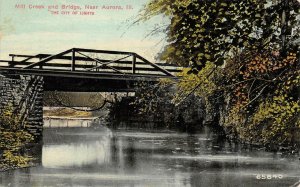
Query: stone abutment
[[24, 96]]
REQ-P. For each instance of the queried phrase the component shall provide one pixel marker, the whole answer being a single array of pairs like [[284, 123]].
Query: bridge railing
[[88, 60]]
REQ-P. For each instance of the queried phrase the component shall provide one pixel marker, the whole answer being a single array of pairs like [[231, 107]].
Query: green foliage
[[9, 120], [207, 31], [14, 140], [245, 52], [203, 81], [280, 115], [155, 104], [12, 160], [263, 97], [13, 137], [150, 97]]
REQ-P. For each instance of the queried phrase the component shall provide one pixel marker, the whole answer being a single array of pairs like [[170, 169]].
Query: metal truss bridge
[[88, 70]]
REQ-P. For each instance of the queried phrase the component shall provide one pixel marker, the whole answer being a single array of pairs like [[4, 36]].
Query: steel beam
[[78, 58], [47, 59], [103, 51], [96, 60], [82, 74], [133, 63], [65, 66], [154, 65], [73, 59], [105, 64]]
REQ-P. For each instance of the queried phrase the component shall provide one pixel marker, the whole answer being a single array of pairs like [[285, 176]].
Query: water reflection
[[76, 155], [89, 157]]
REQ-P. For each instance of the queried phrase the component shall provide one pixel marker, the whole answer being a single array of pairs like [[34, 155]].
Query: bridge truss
[[88, 63]]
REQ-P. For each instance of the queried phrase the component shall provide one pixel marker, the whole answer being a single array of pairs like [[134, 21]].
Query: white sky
[[37, 31]]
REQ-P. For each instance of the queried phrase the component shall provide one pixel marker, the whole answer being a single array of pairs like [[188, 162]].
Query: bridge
[[88, 70], [24, 78]]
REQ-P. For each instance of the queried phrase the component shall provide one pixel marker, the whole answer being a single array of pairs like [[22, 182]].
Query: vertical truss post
[[11, 64], [41, 65], [133, 63], [73, 60]]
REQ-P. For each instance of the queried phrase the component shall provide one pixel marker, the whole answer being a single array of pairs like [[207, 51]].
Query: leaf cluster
[[208, 31]]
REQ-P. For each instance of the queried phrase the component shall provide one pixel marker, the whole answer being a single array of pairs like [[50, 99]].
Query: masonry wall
[[25, 95]]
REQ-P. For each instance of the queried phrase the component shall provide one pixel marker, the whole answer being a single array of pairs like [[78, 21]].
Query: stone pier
[[24, 94]]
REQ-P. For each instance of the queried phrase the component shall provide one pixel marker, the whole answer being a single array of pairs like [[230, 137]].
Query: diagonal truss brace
[[80, 51], [102, 63], [41, 62]]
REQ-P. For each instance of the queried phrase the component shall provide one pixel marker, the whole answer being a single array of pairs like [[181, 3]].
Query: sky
[[33, 31]]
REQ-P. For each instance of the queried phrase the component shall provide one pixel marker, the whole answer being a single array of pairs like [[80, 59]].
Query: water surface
[[100, 157]]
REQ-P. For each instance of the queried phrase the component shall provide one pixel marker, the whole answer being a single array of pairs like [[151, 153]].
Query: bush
[[13, 138]]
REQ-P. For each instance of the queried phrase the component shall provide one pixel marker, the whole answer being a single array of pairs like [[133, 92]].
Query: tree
[[244, 52], [203, 31]]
